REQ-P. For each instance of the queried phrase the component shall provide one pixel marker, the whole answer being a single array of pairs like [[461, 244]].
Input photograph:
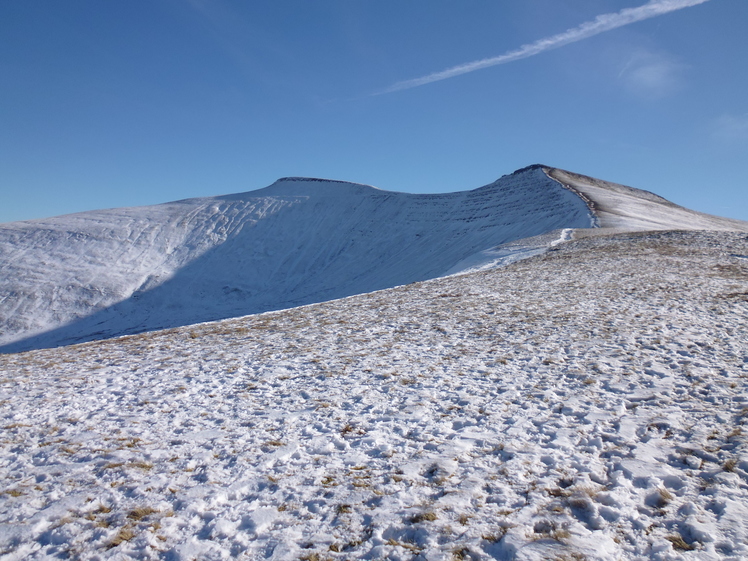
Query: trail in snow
[[511, 252]]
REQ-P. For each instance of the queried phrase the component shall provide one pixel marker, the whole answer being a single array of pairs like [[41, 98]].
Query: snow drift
[[105, 273]]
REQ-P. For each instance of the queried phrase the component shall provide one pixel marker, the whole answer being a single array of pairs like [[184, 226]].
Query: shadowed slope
[[299, 241]]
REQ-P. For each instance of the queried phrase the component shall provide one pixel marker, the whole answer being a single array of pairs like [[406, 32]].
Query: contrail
[[600, 24]]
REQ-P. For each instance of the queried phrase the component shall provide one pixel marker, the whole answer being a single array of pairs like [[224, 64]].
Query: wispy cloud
[[600, 24], [652, 75], [731, 128]]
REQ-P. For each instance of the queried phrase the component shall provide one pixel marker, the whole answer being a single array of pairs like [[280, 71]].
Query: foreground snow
[[588, 403]]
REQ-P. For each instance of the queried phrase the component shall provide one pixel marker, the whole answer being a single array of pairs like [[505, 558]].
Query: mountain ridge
[[619, 206], [298, 241]]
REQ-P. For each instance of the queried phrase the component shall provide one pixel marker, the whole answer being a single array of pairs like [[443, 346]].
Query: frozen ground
[[587, 403]]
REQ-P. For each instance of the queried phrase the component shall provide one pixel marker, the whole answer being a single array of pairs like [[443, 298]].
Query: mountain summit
[[100, 274]]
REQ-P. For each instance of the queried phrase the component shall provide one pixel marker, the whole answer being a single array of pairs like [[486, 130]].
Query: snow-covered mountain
[[99, 274], [586, 403]]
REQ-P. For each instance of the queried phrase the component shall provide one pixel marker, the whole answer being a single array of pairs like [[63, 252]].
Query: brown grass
[[679, 543], [423, 517], [730, 465], [125, 534], [140, 513]]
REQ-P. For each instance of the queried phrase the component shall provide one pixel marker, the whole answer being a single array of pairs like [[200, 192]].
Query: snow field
[[588, 403]]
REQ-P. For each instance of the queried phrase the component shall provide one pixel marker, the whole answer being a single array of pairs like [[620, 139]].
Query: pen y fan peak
[[106, 273]]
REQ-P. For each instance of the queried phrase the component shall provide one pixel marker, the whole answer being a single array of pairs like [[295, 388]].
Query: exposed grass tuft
[[124, 535], [461, 553], [679, 543], [429, 516], [140, 513]]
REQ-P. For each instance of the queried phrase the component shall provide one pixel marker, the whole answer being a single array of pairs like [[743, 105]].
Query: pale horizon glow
[[602, 23]]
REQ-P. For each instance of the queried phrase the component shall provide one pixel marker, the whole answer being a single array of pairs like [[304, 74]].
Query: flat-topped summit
[[318, 180], [312, 186]]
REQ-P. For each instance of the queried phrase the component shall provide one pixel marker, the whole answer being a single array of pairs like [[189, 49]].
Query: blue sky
[[107, 104]]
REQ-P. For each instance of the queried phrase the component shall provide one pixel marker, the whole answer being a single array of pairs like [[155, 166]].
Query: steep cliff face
[[299, 241]]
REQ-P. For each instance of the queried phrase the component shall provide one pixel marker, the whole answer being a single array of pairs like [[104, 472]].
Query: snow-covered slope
[[625, 208], [105, 273], [100, 274], [587, 404]]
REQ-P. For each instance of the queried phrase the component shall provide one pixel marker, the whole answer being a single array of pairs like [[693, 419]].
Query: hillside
[[588, 403], [106, 273], [100, 274]]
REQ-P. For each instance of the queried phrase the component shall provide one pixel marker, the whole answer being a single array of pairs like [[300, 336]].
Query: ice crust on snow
[[585, 403]]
